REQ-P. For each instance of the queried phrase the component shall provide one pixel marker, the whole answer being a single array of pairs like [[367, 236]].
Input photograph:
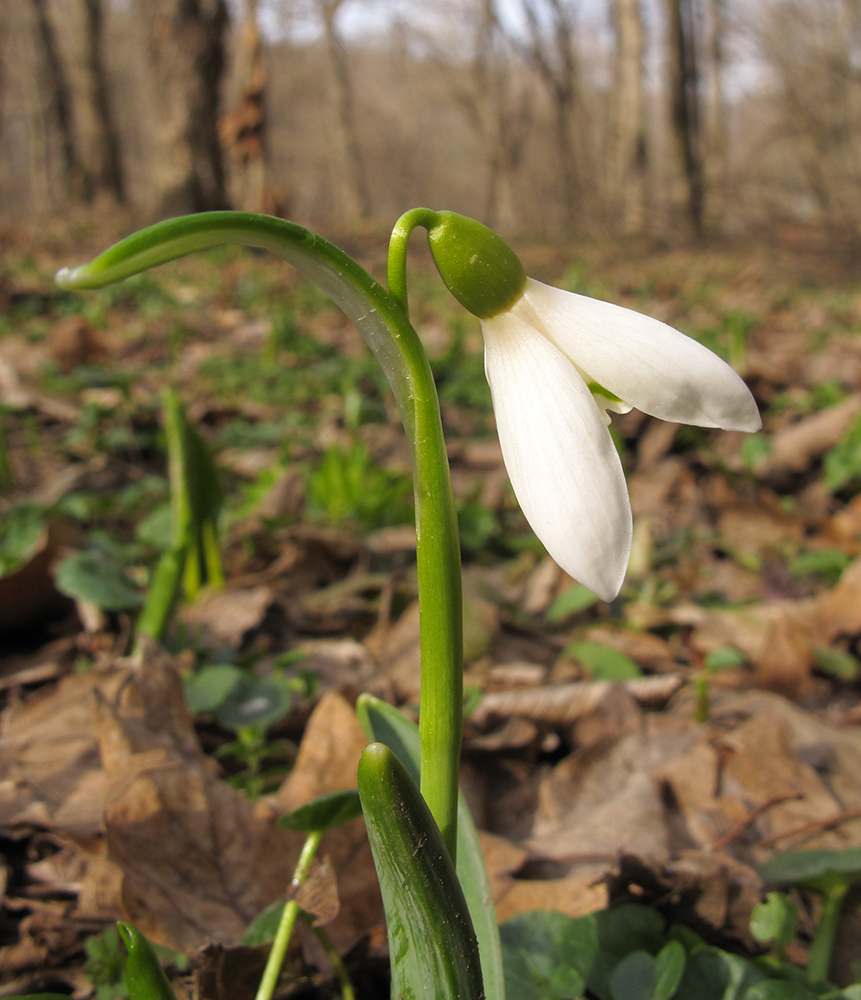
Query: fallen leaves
[[111, 759]]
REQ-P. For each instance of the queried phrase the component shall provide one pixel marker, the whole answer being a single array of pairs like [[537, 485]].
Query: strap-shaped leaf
[[145, 977], [324, 812], [386, 724], [433, 948]]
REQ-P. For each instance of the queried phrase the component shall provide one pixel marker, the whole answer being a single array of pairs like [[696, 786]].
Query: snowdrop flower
[[556, 363]]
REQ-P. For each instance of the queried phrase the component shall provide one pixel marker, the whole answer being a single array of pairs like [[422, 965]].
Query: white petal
[[643, 361], [559, 455]]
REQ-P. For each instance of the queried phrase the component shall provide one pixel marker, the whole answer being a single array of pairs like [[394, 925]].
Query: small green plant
[[775, 921], [572, 601], [602, 662], [722, 658], [248, 706], [627, 953], [842, 463], [755, 449], [193, 559], [20, 531], [730, 338], [105, 965], [829, 874], [348, 487], [96, 575], [825, 564]]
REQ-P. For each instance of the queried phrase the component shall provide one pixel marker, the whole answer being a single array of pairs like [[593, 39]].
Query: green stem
[[341, 973], [822, 946], [162, 593], [397, 267], [441, 714], [288, 920], [382, 320]]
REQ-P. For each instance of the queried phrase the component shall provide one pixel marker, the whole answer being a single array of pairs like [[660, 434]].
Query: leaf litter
[[669, 787]]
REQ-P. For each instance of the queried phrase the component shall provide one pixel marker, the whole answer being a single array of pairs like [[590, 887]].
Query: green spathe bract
[[432, 943], [383, 723], [145, 977], [478, 267]]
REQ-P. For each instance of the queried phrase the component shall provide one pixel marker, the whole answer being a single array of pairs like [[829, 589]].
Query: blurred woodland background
[[619, 117]]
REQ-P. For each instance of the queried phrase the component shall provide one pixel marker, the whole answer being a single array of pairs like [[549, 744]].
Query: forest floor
[[656, 749]]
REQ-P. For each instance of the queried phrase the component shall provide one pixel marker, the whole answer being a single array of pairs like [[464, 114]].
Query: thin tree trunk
[[109, 168], [243, 128], [714, 123], [685, 104], [626, 159], [346, 109], [60, 103], [185, 41], [557, 66]]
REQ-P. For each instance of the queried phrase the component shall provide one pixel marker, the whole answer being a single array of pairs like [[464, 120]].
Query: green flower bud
[[479, 269]]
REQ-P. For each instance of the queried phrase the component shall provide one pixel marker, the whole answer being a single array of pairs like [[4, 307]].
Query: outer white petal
[[559, 455], [643, 361]]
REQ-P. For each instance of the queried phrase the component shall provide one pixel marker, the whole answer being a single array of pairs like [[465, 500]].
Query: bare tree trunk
[[108, 168], [626, 153], [685, 102], [346, 109], [498, 111], [59, 101], [555, 61], [243, 129], [185, 42], [714, 122]]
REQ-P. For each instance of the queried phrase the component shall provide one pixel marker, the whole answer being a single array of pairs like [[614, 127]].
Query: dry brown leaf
[[396, 649], [541, 586], [230, 973], [318, 894], [777, 638], [758, 526], [229, 615], [73, 341], [651, 489], [843, 530], [342, 663], [328, 756], [51, 771], [45, 936], [833, 751], [563, 704], [766, 737], [703, 890], [199, 861], [577, 895], [655, 441], [327, 762], [599, 803], [795, 447], [785, 662]]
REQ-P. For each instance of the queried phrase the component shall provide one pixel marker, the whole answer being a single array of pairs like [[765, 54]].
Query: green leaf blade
[[634, 978], [324, 812], [386, 724], [145, 977], [432, 943]]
